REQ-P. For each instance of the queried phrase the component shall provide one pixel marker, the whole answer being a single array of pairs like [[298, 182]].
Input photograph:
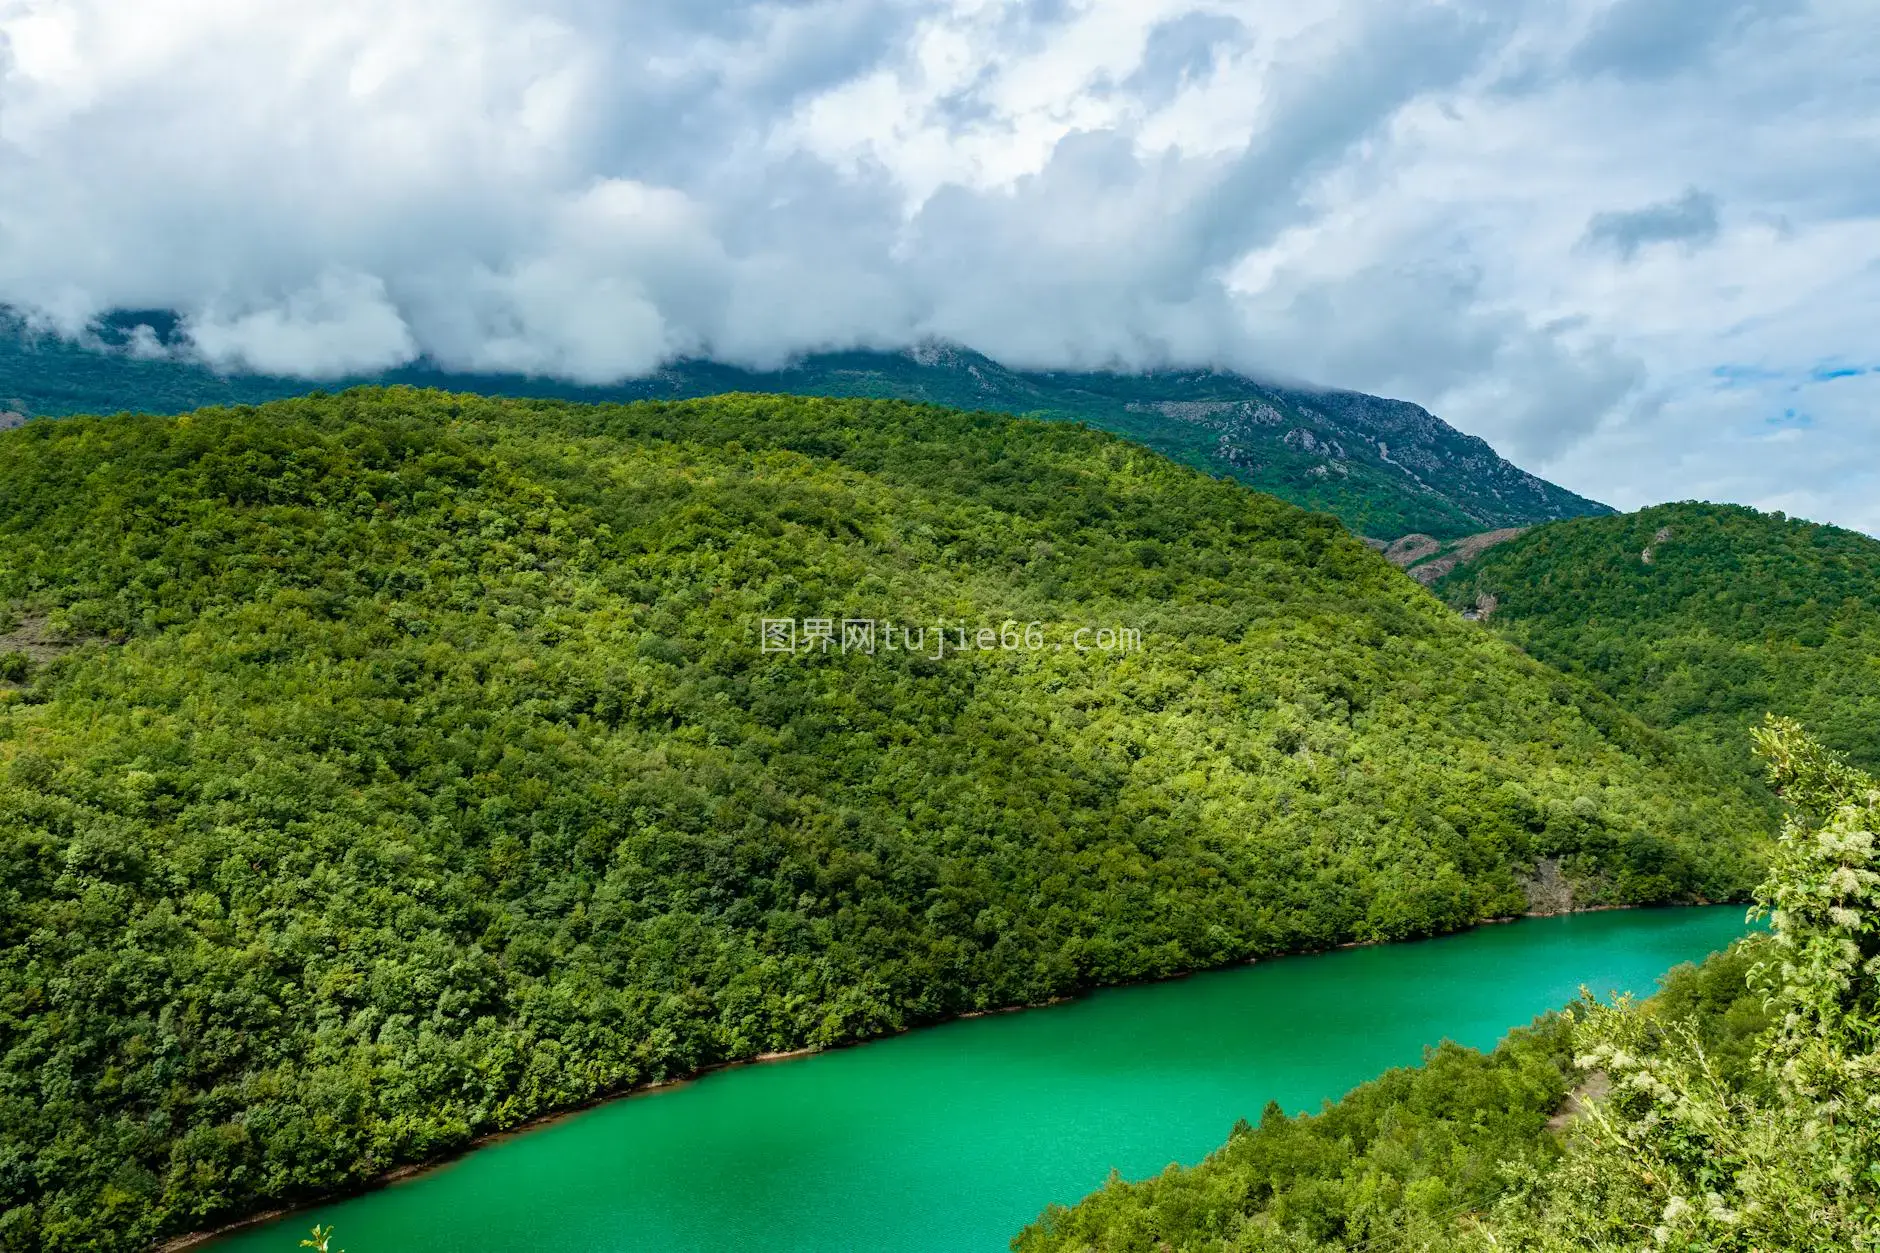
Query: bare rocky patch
[[1410, 549], [1485, 604], [33, 635], [1594, 1087], [1427, 559], [1548, 890], [28, 642], [1470, 547]]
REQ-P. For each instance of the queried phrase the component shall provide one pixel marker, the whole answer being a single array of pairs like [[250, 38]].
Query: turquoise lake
[[950, 1138]]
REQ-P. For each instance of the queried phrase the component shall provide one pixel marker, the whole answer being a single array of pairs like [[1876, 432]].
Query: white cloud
[[341, 324], [1550, 223]]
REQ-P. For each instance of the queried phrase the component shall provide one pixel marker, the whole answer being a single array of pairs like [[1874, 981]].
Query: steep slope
[[1384, 467], [396, 766], [1700, 618]]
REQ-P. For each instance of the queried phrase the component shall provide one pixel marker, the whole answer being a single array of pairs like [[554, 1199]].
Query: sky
[[1634, 244]]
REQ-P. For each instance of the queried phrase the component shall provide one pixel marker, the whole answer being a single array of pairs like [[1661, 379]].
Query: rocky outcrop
[[1410, 549], [1470, 547], [1426, 558], [1548, 890], [1305, 441], [26, 643], [1432, 453], [1660, 536], [1485, 604], [1595, 1087]]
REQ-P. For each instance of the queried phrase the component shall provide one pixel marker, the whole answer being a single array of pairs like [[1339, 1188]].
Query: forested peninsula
[[386, 768]]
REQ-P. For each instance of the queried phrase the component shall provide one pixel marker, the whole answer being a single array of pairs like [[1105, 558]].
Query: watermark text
[[938, 639]]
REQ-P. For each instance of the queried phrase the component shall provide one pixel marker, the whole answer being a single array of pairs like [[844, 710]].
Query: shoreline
[[411, 1170]]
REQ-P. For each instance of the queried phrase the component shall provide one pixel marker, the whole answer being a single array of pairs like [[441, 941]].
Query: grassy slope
[[416, 769], [1738, 613]]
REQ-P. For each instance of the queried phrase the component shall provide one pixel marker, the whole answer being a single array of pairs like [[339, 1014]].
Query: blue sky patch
[[1745, 375]]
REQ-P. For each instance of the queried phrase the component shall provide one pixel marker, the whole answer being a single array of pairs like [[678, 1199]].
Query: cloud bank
[[1636, 245]]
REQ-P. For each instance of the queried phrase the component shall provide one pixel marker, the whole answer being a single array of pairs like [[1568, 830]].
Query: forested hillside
[[1700, 618], [1737, 1109], [1386, 468], [381, 769]]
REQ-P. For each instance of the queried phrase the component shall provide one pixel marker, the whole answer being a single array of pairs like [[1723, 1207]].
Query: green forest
[[1738, 1109], [385, 768], [1699, 618]]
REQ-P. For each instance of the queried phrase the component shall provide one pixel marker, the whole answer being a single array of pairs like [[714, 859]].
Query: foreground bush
[[1783, 1154]]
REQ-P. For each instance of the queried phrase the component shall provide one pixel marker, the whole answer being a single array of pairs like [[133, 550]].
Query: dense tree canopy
[[1700, 619], [387, 768]]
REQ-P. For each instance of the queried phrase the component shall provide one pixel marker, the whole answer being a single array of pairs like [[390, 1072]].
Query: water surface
[[948, 1139]]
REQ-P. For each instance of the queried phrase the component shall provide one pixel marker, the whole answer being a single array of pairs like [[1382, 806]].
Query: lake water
[[949, 1139]]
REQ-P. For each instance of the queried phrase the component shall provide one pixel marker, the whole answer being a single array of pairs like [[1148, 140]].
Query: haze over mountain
[[1629, 242], [1384, 467]]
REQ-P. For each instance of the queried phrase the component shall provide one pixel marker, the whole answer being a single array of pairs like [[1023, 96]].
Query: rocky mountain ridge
[[1383, 467]]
